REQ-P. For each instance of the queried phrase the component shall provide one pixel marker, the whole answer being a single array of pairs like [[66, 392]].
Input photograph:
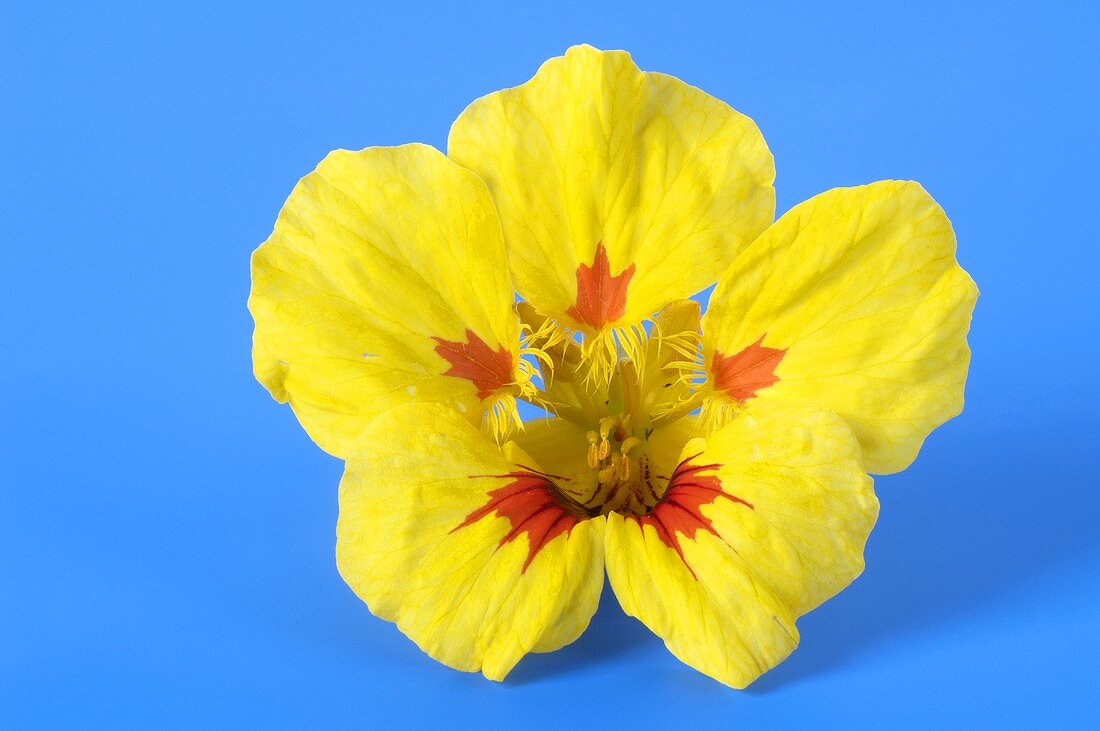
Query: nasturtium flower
[[713, 465]]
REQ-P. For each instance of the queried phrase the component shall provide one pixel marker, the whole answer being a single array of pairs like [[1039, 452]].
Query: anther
[[604, 449], [624, 468], [593, 449]]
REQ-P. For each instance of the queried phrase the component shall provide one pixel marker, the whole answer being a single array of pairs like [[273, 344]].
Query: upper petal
[[478, 558], [762, 521], [619, 190], [853, 301], [384, 281]]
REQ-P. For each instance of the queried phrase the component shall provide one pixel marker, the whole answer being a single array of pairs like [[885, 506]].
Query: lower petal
[[761, 522], [478, 558]]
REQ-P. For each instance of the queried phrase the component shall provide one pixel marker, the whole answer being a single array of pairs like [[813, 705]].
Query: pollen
[[618, 458]]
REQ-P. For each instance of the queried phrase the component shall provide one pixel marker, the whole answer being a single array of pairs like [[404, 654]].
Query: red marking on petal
[[530, 503], [601, 298], [743, 374], [679, 512], [475, 361]]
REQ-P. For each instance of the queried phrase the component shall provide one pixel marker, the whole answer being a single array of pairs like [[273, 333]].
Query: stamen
[[593, 449], [608, 426], [624, 468]]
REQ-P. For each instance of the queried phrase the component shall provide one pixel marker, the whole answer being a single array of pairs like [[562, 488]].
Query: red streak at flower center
[[531, 505], [743, 374], [679, 512], [601, 298], [473, 360]]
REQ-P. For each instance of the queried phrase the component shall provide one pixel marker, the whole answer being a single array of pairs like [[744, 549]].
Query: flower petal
[[619, 190], [384, 281], [560, 447], [852, 301], [762, 521], [476, 557]]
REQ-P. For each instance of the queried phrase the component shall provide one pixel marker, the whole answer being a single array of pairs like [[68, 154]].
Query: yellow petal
[[561, 448], [385, 273], [619, 190], [763, 521], [852, 301], [476, 557]]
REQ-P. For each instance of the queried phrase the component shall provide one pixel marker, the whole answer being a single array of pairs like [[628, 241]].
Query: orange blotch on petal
[[601, 298], [743, 374], [530, 503], [475, 361], [679, 512]]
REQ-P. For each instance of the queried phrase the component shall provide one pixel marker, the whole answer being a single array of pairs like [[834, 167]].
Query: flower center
[[624, 479], [625, 390]]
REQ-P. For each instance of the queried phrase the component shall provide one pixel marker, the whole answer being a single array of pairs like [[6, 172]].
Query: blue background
[[167, 531]]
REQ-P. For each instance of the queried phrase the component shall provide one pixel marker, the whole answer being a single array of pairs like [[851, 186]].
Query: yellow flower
[[714, 466]]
